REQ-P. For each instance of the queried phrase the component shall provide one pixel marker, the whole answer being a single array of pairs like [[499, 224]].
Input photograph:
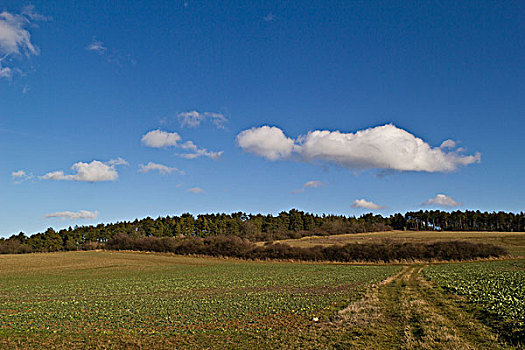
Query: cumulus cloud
[[195, 190], [20, 176], [443, 201], [82, 214], [162, 139], [193, 119], [15, 38], [363, 203], [384, 147], [89, 172], [162, 169], [159, 139], [266, 141], [309, 184]]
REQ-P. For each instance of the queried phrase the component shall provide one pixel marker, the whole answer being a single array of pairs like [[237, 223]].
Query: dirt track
[[407, 312]]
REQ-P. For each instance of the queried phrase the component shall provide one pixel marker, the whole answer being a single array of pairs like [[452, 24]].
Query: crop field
[[496, 287], [514, 242], [139, 300]]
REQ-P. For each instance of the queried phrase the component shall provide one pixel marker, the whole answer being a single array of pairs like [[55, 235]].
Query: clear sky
[[116, 110]]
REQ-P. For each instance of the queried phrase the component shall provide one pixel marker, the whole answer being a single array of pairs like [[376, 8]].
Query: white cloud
[[15, 38], [309, 184], [450, 144], [195, 190], [30, 12], [265, 141], [193, 119], [109, 54], [97, 46], [443, 201], [383, 147], [162, 169], [89, 172], [5, 72], [363, 203], [117, 161], [20, 176], [159, 139], [82, 214]]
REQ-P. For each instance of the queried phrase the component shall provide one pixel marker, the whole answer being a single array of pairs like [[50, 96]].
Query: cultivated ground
[[128, 300]]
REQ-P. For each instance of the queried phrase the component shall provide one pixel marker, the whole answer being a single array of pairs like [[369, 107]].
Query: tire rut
[[407, 312]]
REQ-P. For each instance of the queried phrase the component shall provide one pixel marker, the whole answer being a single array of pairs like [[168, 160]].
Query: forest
[[257, 227]]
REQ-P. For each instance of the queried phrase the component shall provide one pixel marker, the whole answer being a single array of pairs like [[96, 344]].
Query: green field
[[139, 300], [133, 300]]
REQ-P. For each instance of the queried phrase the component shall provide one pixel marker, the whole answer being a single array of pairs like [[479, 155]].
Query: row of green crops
[[497, 287], [173, 298]]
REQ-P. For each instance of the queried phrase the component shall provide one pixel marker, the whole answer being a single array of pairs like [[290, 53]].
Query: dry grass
[[513, 241]]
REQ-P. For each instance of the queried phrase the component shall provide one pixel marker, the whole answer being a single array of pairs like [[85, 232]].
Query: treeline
[[258, 227], [231, 246]]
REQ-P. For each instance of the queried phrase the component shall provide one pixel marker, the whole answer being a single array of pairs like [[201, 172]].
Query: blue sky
[[166, 107]]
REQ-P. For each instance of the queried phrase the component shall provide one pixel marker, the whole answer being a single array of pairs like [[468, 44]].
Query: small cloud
[[82, 214], [193, 119], [309, 184], [442, 201], [20, 176], [162, 169], [363, 203], [95, 171], [30, 12], [97, 46], [160, 139], [195, 190], [270, 17], [5, 72], [117, 161], [448, 144], [111, 55]]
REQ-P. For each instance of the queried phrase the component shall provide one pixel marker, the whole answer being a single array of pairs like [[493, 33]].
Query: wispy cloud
[[442, 200], [161, 168], [82, 214], [193, 119], [270, 17], [162, 139], [94, 171], [21, 176], [15, 39], [195, 190], [309, 184], [363, 203], [384, 147], [110, 55], [97, 46]]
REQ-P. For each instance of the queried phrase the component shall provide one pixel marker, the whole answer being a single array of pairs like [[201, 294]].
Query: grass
[[140, 300], [513, 241]]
